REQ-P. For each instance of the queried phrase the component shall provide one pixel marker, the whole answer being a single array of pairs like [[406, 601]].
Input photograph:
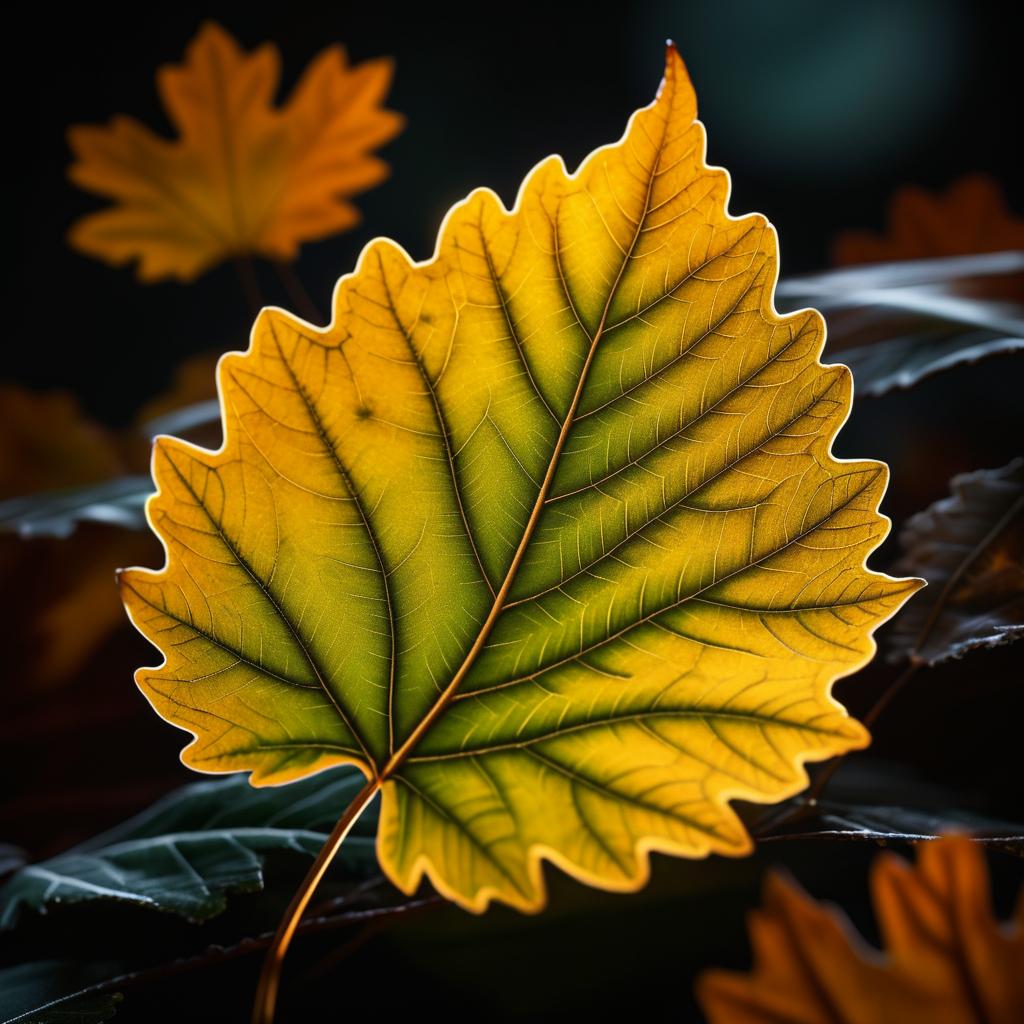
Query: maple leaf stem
[[250, 284], [270, 974], [297, 292]]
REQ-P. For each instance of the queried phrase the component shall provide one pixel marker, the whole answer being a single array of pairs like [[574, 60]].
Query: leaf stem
[[297, 293], [250, 284], [270, 975]]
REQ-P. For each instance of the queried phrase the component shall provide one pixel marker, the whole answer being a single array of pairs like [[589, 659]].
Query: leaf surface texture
[[192, 848], [544, 533]]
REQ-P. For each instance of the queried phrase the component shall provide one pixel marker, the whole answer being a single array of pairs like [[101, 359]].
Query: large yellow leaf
[[947, 961], [243, 177], [544, 533]]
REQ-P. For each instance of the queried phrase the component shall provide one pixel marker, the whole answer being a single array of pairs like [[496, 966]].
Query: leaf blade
[[969, 548], [417, 458]]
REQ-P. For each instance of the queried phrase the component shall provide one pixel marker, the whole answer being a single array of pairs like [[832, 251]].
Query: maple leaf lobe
[[243, 177]]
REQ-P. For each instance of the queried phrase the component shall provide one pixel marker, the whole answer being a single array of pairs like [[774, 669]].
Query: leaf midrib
[[400, 755]]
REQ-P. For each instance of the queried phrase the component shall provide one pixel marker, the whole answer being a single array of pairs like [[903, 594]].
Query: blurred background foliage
[[822, 113]]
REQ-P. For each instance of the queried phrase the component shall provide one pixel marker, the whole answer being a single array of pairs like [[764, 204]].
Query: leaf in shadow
[[118, 502], [55, 992], [884, 823], [894, 324], [187, 852], [903, 362], [970, 549]]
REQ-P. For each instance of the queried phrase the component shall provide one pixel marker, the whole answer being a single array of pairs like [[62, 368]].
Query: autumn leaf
[[243, 176], [971, 216], [46, 442], [544, 534], [59, 597], [970, 548], [947, 960]]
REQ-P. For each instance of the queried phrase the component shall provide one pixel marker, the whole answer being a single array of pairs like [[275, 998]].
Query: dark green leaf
[[884, 823], [902, 362], [894, 324], [187, 852], [970, 549], [55, 992]]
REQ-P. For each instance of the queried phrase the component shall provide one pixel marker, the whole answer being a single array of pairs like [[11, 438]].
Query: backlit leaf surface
[[544, 533], [947, 960]]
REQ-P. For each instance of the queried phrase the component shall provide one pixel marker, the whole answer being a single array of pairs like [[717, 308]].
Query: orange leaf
[[970, 217], [948, 961], [46, 443], [243, 177]]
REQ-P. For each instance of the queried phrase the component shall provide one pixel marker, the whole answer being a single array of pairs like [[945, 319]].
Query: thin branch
[[250, 284], [297, 294]]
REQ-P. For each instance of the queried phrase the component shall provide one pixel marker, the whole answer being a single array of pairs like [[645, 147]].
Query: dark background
[[820, 112]]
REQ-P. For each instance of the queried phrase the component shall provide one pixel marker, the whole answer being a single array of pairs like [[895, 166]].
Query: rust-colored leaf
[[970, 216], [947, 960]]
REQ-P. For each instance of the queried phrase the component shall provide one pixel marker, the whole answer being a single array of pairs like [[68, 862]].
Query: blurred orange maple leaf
[[970, 217], [948, 960], [48, 443], [243, 177]]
